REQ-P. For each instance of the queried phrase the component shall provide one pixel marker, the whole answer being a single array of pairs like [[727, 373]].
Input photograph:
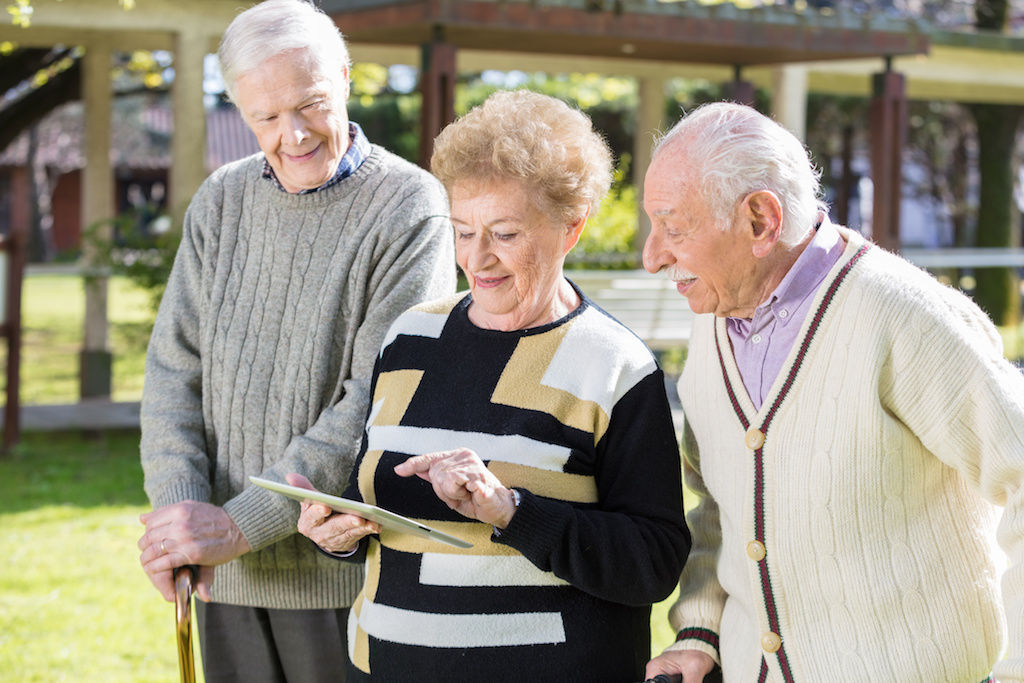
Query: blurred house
[[44, 167]]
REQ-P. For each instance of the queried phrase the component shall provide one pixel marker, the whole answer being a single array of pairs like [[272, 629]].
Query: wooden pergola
[[650, 40], [645, 31]]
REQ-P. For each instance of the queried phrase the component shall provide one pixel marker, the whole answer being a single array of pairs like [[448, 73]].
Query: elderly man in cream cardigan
[[853, 432]]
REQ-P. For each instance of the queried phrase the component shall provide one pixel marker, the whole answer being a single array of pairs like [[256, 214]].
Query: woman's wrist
[[512, 500], [337, 554]]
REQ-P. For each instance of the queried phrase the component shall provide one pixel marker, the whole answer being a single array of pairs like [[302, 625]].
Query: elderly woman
[[524, 419]]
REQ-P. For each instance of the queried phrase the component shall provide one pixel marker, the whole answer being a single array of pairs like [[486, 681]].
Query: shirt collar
[[802, 280], [809, 269], [358, 150]]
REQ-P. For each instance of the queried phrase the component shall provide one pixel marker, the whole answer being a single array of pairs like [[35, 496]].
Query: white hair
[[732, 150], [275, 26]]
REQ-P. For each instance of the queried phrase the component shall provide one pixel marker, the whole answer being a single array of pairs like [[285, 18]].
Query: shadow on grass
[[72, 468]]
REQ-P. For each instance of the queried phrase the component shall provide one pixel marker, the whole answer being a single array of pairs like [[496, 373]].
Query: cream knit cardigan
[[854, 544]]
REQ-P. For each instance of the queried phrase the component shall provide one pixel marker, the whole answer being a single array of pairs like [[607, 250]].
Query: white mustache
[[677, 274]]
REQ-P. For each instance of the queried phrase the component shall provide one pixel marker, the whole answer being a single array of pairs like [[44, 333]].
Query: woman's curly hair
[[539, 140]]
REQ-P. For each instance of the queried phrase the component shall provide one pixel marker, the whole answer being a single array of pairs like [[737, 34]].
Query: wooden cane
[[183, 580]]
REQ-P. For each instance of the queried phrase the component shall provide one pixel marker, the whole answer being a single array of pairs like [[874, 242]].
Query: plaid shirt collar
[[358, 150]]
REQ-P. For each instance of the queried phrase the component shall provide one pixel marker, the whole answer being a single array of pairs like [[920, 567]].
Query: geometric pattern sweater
[[263, 348], [574, 415], [845, 531]]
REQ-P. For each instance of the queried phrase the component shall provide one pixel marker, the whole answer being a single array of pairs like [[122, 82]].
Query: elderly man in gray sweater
[[293, 263]]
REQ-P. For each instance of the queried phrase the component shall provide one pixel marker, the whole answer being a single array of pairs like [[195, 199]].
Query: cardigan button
[[771, 642], [754, 438], [756, 551]]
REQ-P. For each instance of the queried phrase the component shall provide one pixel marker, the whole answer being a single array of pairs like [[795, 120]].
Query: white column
[[649, 123], [789, 99], [188, 140], [97, 206]]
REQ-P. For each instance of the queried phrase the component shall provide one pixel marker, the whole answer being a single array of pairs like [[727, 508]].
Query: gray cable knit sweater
[[263, 349]]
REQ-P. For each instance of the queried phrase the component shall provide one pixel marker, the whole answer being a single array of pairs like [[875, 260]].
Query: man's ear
[[763, 210], [346, 79]]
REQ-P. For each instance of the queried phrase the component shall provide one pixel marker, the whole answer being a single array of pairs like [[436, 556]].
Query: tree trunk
[[991, 14], [997, 134], [997, 290]]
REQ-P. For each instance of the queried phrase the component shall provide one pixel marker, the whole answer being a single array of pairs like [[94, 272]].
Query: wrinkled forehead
[[669, 179]]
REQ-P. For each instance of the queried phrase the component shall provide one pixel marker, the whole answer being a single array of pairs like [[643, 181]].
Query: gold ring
[[163, 549]]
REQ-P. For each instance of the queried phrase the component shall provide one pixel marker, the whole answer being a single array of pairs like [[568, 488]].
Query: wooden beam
[[437, 87], [888, 124]]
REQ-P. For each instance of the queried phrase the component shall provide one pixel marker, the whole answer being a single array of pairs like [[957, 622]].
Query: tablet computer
[[387, 520]]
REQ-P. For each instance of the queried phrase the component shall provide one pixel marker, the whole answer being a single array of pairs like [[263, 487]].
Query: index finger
[[159, 516], [419, 464]]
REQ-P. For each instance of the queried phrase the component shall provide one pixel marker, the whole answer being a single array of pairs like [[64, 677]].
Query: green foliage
[[607, 240], [991, 14], [583, 90], [143, 68], [686, 94], [610, 102], [140, 245], [391, 120], [21, 13], [995, 293], [997, 126], [672, 360], [388, 117], [367, 80]]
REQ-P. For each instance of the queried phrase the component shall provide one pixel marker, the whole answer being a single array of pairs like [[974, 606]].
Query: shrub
[[607, 241], [140, 249]]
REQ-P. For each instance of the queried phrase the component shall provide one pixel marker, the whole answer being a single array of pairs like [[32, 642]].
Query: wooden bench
[[647, 304]]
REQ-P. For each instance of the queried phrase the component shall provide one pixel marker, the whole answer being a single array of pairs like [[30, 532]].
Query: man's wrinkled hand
[[188, 533], [692, 665]]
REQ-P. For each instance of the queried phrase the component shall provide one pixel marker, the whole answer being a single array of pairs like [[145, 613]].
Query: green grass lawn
[[74, 602], [52, 327]]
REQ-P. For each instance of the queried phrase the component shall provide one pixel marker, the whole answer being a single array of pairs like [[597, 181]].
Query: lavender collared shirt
[[762, 343]]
